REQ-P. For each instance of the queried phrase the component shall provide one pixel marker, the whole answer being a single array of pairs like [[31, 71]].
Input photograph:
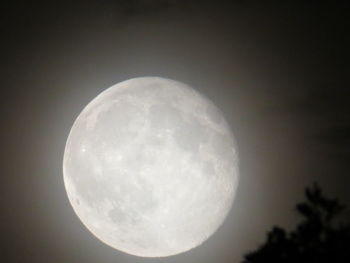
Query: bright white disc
[[150, 167]]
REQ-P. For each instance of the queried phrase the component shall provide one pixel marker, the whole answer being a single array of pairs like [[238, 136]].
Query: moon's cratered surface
[[150, 167]]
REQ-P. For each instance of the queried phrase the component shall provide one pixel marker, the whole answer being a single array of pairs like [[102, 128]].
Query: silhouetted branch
[[315, 239]]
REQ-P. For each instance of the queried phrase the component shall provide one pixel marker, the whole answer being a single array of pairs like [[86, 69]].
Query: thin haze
[[278, 71]]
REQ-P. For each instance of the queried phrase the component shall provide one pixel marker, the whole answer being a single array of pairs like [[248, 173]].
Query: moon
[[151, 167]]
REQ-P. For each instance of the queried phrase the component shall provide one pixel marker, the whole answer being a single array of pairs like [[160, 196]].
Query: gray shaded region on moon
[[150, 167]]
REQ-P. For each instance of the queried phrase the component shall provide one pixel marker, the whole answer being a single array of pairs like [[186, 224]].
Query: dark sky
[[278, 70]]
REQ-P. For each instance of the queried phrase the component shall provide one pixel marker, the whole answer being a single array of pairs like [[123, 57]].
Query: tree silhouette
[[318, 238]]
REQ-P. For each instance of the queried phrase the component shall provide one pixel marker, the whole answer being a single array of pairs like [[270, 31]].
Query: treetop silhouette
[[318, 238]]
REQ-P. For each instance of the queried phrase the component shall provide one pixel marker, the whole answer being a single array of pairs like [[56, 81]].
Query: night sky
[[279, 71]]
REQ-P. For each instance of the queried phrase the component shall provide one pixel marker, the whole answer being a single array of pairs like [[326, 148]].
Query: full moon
[[151, 167]]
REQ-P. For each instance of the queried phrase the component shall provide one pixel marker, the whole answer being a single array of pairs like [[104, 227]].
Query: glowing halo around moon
[[151, 167]]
